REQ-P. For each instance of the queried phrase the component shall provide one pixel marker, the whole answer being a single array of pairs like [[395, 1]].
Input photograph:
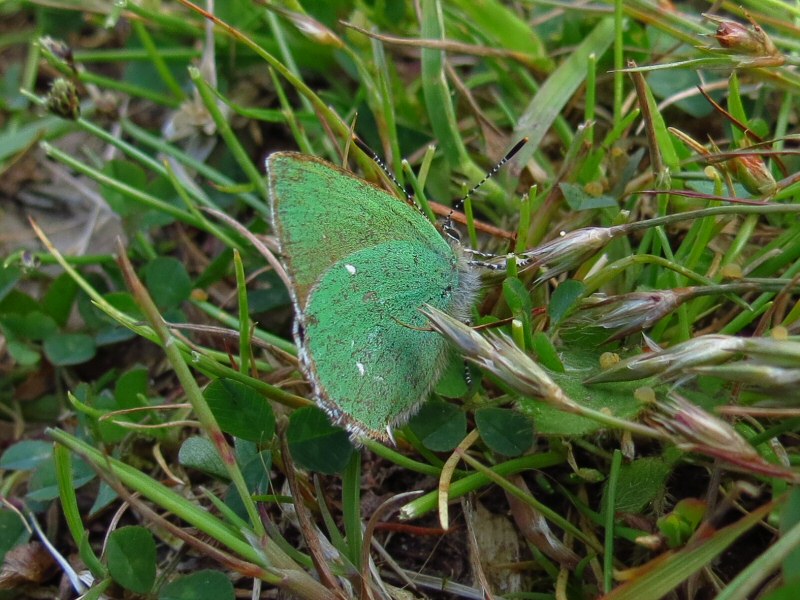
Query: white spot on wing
[[361, 368], [350, 269]]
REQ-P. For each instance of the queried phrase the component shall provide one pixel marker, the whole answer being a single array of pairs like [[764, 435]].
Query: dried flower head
[[498, 354], [695, 430], [311, 28], [568, 251], [626, 313], [702, 350]]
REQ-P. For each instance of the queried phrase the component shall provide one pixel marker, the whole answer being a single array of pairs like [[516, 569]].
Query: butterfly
[[361, 264]]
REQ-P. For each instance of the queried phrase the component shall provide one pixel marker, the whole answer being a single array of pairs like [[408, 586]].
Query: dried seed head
[[706, 349], [693, 426], [498, 354], [753, 373], [311, 28], [695, 430], [568, 251], [626, 313], [58, 50]]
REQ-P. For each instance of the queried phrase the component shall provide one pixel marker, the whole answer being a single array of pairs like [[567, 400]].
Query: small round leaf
[[26, 455], [65, 349], [505, 431], [199, 453], [439, 425], [564, 299], [131, 557], [315, 443], [202, 584], [240, 410], [168, 282]]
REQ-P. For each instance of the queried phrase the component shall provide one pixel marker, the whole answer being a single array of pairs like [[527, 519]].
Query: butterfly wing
[[322, 213], [362, 263]]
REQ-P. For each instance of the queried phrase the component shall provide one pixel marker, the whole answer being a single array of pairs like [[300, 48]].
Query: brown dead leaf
[[26, 564]]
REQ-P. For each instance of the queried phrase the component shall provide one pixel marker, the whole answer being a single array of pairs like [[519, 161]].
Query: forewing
[[322, 213]]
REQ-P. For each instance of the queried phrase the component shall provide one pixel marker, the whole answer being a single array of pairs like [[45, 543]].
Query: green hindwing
[[362, 263]]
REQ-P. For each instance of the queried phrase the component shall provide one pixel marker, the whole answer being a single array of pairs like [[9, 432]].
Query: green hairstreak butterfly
[[362, 263]]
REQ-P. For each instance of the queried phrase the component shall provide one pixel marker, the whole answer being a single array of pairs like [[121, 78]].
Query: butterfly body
[[362, 263]]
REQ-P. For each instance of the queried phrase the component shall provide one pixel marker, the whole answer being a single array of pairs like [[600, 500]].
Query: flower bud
[[63, 100], [751, 171], [752, 40]]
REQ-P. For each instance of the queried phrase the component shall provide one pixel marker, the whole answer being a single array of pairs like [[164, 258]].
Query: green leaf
[[663, 574], [123, 301], [22, 353], [199, 453], [315, 443], [18, 302], [640, 482], [256, 472], [130, 388], [12, 531], [26, 455], [666, 84], [578, 199], [96, 592], [440, 426], [105, 496], [34, 325], [65, 349], [14, 140], [616, 397], [790, 516], [60, 296], [453, 383], [546, 352], [167, 281], [505, 27], [505, 431], [559, 88], [789, 591], [201, 584], [563, 299], [256, 476], [131, 558], [517, 296], [43, 484], [240, 410], [9, 276], [129, 174]]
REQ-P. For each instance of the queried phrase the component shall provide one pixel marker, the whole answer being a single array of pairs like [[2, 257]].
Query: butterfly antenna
[[493, 171], [379, 161], [448, 222]]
